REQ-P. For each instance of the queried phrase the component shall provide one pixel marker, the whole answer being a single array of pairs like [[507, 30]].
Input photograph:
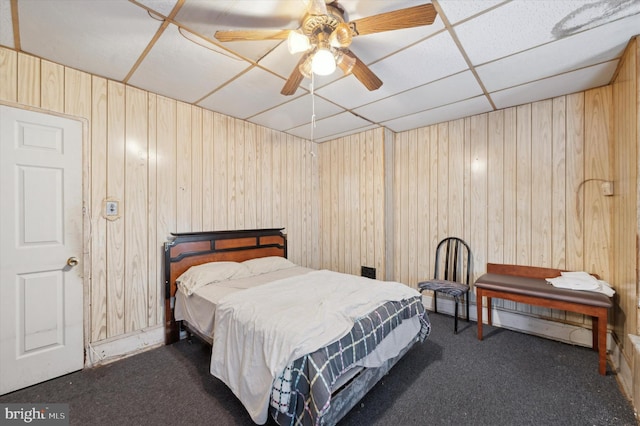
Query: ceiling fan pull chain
[[313, 105]]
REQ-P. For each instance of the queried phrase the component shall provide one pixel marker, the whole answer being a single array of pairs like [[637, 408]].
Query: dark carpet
[[509, 378]]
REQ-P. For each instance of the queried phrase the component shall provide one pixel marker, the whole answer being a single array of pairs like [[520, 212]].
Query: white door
[[41, 295]]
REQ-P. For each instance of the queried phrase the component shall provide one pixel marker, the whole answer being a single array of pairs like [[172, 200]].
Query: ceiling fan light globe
[[297, 42], [323, 62], [341, 36]]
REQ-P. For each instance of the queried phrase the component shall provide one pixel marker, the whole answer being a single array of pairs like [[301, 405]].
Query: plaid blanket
[[302, 393]]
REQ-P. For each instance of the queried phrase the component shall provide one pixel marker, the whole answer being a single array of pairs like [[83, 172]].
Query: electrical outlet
[[111, 208], [607, 188]]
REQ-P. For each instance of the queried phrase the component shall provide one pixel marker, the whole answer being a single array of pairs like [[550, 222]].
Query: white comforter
[[258, 332]]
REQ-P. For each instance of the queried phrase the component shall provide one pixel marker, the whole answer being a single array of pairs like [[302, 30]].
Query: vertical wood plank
[[116, 190], [29, 80], [379, 189], [575, 178], [166, 141], [52, 86], [220, 211], [412, 209], [495, 188], [443, 181], [196, 169], [478, 188], [316, 203], [541, 182], [207, 170], [324, 172], [456, 170], [135, 214], [559, 183], [77, 94], [250, 166], [8, 75], [403, 214], [239, 174], [183, 167], [375, 199], [365, 213], [598, 104], [155, 295], [355, 201], [434, 210], [523, 182], [98, 329], [510, 182], [424, 258]]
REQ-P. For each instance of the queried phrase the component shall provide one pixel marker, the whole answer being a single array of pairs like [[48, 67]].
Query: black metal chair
[[451, 274]]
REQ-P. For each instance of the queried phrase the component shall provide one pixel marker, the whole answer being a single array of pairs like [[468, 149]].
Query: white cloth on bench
[[581, 281]]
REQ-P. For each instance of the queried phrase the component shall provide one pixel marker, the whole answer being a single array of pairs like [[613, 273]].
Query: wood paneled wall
[[352, 194], [174, 167], [521, 185], [626, 220]]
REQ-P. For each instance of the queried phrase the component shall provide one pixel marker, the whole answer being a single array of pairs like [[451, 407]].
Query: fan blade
[[295, 79], [415, 16], [363, 73], [251, 35]]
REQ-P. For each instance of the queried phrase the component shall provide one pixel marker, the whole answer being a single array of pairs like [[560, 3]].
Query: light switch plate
[[111, 209]]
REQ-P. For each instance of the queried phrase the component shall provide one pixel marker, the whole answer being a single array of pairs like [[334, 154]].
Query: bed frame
[[185, 250], [188, 249]]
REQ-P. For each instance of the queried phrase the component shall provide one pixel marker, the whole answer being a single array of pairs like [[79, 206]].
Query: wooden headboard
[[183, 251]]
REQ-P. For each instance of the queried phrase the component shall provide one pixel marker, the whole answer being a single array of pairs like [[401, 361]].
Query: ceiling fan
[[325, 35]]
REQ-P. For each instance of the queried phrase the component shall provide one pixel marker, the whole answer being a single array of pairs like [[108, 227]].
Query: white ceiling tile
[[179, 68], [430, 60], [347, 133], [523, 24], [576, 81], [331, 126], [477, 105], [296, 113], [458, 10], [6, 24], [584, 49], [257, 85], [280, 60], [448, 90], [76, 34]]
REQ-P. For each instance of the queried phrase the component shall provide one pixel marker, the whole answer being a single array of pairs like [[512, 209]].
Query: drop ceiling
[[478, 56]]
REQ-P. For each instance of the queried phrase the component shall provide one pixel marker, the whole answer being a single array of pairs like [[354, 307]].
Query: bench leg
[[479, 308], [600, 339]]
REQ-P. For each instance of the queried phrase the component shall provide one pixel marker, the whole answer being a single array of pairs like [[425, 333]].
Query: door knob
[[72, 261]]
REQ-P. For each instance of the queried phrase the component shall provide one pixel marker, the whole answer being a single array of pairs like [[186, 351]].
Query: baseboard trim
[[555, 330], [119, 347]]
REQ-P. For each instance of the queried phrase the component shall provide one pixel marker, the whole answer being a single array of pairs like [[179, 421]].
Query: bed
[[301, 345]]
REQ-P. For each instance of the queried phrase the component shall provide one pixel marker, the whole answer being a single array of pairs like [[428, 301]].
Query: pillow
[[262, 265], [208, 273]]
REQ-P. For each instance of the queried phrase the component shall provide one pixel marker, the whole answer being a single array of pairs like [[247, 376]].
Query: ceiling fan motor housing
[[314, 25]]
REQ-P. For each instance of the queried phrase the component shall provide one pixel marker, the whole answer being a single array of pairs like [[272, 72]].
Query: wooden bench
[[526, 284]]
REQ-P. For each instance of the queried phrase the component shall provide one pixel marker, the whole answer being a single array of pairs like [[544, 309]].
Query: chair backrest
[[453, 260]]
